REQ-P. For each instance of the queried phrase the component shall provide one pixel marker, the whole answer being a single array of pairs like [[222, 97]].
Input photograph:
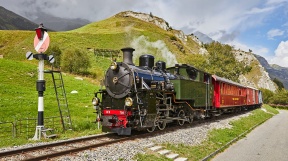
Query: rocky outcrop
[[165, 26], [275, 71], [148, 18], [258, 77]]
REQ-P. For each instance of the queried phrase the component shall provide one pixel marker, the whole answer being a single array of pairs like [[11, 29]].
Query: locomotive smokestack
[[127, 55]]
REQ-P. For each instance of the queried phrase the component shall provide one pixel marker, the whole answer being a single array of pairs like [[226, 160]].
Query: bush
[[280, 98], [173, 38], [56, 52], [267, 95], [75, 61]]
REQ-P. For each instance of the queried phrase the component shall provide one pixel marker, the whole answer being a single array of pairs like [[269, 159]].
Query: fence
[[107, 53], [26, 127]]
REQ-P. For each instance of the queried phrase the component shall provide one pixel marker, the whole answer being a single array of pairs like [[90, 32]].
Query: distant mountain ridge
[[11, 21], [275, 71], [59, 24], [203, 38]]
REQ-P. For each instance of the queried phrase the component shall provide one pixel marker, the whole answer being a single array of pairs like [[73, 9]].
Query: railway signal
[[41, 44]]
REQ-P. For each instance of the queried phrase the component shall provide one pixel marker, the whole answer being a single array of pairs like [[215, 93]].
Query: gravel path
[[127, 150]]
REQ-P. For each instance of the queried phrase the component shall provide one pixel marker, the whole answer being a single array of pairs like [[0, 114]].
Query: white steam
[[158, 48]]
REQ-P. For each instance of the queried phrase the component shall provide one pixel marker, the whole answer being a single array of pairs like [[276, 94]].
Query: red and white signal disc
[[42, 45]]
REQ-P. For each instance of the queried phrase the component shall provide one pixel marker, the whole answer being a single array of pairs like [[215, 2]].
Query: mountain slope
[[59, 24], [202, 37], [275, 71], [11, 21]]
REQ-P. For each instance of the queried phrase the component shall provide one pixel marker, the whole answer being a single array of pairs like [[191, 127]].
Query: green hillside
[[112, 33], [18, 96]]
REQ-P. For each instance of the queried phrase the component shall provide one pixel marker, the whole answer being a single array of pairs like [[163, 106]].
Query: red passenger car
[[228, 93]]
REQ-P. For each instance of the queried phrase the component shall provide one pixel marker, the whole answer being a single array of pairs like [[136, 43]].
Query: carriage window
[[192, 73], [206, 78], [172, 70]]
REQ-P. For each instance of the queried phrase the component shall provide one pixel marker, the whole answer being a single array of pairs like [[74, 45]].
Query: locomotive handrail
[[186, 103], [138, 100]]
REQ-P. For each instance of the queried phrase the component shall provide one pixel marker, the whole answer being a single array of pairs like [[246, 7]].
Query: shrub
[[56, 52], [75, 61], [280, 98], [173, 38], [267, 95]]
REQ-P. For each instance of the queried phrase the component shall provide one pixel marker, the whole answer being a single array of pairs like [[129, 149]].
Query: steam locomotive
[[149, 96]]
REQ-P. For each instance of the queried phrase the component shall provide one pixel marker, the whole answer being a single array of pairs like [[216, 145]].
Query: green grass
[[270, 109], [18, 90], [217, 137], [151, 157], [19, 98]]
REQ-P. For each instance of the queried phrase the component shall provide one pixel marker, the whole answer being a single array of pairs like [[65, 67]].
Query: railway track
[[71, 147], [52, 150]]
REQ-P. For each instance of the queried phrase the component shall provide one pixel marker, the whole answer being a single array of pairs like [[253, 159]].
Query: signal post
[[41, 44]]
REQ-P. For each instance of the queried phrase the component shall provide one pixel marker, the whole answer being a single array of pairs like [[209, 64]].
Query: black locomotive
[[149, 96]]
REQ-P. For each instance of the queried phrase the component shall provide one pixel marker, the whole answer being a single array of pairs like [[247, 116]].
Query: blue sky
[[259, 25]]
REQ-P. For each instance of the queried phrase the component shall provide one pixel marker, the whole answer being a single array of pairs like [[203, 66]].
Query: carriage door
[[207, 94], [254, 96]]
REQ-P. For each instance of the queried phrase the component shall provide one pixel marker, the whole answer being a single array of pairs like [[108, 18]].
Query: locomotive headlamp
[[113, 65], [128, 101], [95, 101]]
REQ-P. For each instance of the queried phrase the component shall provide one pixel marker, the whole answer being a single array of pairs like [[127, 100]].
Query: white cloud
[[274, 32], [281, 55], [257, 10], [269, 2]]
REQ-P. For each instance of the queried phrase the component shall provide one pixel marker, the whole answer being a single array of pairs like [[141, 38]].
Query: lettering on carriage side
[[107, 111], [121, 112]]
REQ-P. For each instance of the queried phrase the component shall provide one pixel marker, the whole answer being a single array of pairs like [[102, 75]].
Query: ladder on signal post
[[61, 99]]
